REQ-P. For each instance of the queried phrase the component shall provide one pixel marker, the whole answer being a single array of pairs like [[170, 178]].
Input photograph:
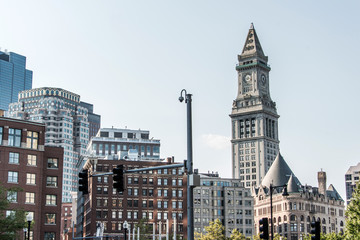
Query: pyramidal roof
[[279, 173], [332, 193], [252, 44]]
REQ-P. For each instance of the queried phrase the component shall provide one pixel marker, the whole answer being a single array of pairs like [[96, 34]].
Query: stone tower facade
[[322, 182], [255, 141]]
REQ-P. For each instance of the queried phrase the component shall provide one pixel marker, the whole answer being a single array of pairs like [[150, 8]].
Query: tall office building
[[67, 126], [94, 119], [14, 77], [255, 141], [351, 179], [223, 199]]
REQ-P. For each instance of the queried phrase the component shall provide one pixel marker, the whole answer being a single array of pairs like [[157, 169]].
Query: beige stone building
[[293, 214]]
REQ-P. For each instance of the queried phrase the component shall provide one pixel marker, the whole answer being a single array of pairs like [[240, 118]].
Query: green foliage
[[352, 230], [12, 225], [328, 236], [215, 231], [145, 229], [236, 235], [332, 236], [276, 237]]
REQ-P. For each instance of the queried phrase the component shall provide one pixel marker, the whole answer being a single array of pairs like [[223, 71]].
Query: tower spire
[[252, 44]]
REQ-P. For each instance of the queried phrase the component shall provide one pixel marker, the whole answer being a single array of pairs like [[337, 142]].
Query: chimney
[[322, 182], [169, 160]]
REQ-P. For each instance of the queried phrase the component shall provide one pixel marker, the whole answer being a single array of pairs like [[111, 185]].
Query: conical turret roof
[[279, 173], [252, 44], [292, 186]]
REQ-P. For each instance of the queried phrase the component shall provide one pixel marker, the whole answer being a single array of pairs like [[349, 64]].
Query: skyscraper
[[14, 77], [67, 126], [255, 142]]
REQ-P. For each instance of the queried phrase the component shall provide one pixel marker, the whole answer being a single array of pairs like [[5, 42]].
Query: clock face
[[263, 79], [247, 78]]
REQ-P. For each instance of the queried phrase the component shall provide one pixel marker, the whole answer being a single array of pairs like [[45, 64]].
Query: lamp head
[[29, 218], [181, 98]]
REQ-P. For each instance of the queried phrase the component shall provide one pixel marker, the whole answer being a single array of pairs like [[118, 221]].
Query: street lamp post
[[125, 226], [285, 193], [29, 219], [190, 203]]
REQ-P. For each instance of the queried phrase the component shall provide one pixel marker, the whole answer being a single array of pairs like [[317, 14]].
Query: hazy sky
[[132, 58]]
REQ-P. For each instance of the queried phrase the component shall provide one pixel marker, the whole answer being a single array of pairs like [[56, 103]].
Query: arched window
[[293, 218], [313, 219], [285, 218], [341, 224], [274, 220], [279, 219], [323, 221], [302, 218]]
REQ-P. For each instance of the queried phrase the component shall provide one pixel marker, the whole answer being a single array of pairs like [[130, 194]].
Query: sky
[[131, 59]]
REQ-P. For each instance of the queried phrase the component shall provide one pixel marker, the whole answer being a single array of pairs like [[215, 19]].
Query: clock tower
[[254, 119]]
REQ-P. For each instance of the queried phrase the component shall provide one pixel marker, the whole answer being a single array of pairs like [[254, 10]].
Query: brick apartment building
[[152, 195], [36, 169]]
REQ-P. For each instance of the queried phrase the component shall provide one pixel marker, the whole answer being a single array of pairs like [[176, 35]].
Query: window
[[12, 196], [51, 181], [32, 140], [51, 200], [53, 163], [50, 218], [31, 160], [14, 158], [49, 236], [29, 197], [13, 177], [31, 178], [174, 182], [14, 137], [180, 182]]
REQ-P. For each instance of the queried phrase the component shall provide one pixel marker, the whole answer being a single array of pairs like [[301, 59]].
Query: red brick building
[[155, 195], [36, 169]]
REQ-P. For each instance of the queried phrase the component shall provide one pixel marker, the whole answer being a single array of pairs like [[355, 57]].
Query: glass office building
[[14, 78]]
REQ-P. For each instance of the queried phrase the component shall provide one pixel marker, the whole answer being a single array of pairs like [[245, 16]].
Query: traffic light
[[118, 178], [315, 229], [264, 228], [83, 181]]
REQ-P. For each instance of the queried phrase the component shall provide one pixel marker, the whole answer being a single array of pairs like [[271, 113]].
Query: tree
[[145, 229], [276, 237], [352, 229], [215, 231], [15, 221], [236, 235]]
